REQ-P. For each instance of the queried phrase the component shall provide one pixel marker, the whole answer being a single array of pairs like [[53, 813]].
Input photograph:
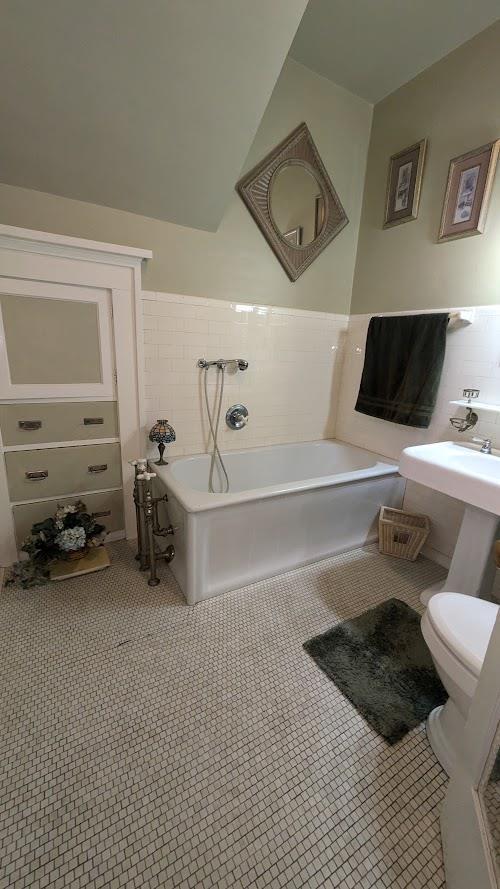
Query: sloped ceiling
[[143, 105], [372, 47]]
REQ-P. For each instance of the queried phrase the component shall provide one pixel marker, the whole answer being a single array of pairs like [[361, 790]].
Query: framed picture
[[404, 183], [468, 190]]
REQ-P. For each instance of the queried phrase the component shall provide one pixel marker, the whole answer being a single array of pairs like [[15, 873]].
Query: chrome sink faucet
[[485, 443]]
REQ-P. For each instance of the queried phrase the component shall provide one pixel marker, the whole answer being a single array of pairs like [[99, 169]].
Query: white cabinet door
[[55, 341]]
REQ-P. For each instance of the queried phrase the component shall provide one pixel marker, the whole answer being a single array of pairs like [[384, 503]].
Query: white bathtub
[[287, 505]]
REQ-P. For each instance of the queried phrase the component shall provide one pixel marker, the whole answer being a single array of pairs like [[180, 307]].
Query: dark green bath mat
[[381, 663]]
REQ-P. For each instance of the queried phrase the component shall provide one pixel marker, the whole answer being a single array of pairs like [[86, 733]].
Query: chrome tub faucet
[[485, 444]]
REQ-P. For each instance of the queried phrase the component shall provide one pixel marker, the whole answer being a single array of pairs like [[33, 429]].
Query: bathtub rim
[[194, 501]]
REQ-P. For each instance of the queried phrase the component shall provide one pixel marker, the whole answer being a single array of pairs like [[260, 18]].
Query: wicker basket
[[402, 534]]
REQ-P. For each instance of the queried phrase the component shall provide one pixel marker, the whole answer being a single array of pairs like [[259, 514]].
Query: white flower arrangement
[[71, 530], [72, 539], [61, 513]]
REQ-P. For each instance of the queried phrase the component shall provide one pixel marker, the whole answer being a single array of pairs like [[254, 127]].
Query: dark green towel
[[403, 363]]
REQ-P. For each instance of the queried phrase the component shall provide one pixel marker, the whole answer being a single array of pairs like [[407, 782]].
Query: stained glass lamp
[[162, 433]]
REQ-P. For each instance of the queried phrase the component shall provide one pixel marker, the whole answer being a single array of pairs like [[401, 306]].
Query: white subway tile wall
[[291, 387], [302, 383], [472, 360]]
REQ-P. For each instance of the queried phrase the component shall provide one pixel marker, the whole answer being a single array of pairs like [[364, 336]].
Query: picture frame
[[468, 191], [404, 184]]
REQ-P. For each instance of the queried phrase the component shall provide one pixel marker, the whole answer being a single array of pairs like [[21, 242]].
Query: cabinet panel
[[51, 340], [24, 424], [55, 341], [47, 472], [107, 508]]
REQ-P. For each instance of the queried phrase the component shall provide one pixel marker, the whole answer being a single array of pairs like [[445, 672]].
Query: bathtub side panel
[[240, 544], [176, 515]]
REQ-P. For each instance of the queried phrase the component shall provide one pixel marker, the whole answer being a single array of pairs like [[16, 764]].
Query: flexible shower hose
[[214, 431]]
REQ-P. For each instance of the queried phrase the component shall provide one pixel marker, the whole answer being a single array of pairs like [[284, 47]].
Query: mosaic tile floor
[[491, 806], [146, 743]]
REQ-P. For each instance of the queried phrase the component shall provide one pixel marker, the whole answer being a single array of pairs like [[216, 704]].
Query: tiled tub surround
[[472, 360], [302, 383], [291, 385]]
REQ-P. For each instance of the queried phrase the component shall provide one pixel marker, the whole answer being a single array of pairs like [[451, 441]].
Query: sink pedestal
[[473, 477], [472, 567]]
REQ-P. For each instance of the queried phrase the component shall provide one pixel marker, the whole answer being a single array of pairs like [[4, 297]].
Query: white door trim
[[8, 546], [127, 387], [29, 240]]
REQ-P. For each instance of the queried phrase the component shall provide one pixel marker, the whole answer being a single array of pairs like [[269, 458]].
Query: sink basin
[[474, 478], [461, 472]]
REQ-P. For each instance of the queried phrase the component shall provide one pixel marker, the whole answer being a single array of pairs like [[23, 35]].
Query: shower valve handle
[[237, 416]]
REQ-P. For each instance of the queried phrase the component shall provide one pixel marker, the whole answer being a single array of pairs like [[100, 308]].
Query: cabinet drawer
[[107, 508], [69, 421], [48, 472]]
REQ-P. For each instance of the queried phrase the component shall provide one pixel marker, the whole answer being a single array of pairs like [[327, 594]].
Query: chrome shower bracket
[[222, 363]]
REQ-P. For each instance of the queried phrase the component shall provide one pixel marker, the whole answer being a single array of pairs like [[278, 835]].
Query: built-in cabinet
[[69, 407]]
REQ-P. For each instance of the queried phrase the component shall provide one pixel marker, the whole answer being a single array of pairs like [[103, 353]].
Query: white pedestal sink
[[474, 478]]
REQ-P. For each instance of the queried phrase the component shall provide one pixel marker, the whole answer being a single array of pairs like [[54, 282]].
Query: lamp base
[[161, 461]]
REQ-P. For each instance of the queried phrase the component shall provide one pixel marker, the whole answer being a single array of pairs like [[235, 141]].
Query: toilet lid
[[465, 625]]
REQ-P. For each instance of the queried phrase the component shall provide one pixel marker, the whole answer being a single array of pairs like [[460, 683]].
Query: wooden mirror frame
[[255, 190]]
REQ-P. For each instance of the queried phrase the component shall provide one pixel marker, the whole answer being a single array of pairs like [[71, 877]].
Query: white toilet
[[457, 629]]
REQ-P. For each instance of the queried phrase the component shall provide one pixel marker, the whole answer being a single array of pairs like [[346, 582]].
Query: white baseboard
[[435, 556], [114, 535]]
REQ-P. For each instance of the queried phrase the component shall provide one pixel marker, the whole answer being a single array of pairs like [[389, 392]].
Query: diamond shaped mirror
[[293, 201]]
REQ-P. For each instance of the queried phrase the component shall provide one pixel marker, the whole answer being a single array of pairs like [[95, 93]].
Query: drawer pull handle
[[93, 421], [29, 425], [98, 467], [37, 475], [101, 515]]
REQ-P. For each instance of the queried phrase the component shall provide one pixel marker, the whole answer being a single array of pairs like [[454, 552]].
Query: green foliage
[[70, 529]]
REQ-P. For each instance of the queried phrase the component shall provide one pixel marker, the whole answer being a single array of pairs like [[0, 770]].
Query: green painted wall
[[122, 103], [456, 105], [235, 263]]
